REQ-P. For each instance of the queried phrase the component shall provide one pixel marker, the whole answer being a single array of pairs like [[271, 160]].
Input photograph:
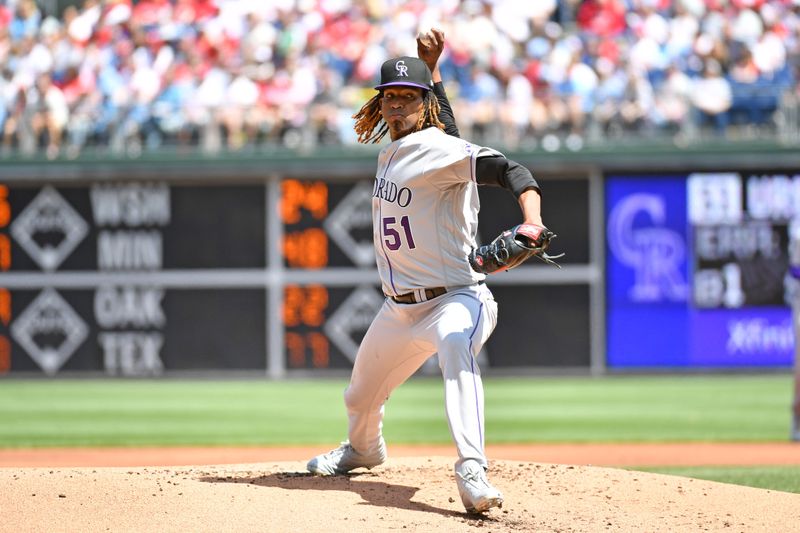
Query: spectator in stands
[[610, 93], [516, 107], [8, 97], [604, 18], [745, 70], [50, 114], [672, 101], [26, 20], [637, 100], [712, 98], [583, 81], [478, 103], [324, 109], [239, 101], [169, 111]]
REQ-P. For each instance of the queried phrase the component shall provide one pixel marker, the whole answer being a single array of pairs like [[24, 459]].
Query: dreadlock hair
[[369, 118]]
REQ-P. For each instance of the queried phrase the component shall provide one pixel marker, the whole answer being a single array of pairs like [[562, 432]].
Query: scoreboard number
[[739, 227], [714, 198], [719, 287]]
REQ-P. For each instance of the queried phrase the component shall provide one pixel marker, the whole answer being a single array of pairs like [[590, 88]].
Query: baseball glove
[[513, 247]]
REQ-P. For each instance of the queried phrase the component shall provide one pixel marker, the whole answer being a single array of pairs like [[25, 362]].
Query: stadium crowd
[[233, 74]]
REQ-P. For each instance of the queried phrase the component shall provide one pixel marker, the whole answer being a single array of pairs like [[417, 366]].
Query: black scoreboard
[[144, 278], [136, 227], [87, 286]]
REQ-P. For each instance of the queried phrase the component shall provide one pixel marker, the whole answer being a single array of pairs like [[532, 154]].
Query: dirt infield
[[546, 488]]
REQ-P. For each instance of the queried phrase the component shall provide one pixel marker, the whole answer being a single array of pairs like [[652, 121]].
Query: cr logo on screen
[[638, 237]]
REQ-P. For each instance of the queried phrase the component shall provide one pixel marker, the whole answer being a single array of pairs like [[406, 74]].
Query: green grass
[[43, 413], [620, 409], [142, 413], [47, 413], [783, 478]]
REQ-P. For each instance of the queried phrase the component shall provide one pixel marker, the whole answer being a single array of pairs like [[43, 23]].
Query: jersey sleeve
[[449, 160], [502, 172]]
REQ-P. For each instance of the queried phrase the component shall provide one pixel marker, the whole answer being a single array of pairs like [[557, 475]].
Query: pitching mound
[[406, 494]]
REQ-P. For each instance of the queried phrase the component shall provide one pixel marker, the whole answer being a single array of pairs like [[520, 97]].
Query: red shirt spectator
[[533, 72], [5, 16], [151, 12], [275, 92], [194, 11], [748, 4], [74, 86], [609, 49], [605, 18]]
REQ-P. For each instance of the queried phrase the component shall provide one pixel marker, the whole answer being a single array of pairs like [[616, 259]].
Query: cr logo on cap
[[401, 68]]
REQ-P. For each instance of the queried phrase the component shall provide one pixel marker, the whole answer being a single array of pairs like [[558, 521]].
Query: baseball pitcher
[[425, 219]]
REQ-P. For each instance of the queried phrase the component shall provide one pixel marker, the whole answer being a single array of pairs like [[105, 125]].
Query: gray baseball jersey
[[425, 211]]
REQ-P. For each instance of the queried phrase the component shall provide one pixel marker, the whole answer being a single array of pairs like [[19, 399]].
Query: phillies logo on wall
[[49, 229], [402, 69], [49, 330]]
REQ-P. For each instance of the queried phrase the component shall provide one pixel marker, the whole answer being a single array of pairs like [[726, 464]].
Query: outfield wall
[[263, 264]]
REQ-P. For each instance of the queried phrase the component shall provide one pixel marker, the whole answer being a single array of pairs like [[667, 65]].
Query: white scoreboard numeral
[[714, 198], [734, 296], [715, 288], [708, 288]]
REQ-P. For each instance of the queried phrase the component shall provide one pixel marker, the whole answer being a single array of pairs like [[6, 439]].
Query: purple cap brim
[[404, 83]]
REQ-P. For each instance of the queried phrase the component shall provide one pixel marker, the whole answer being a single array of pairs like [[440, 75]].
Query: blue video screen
[[696, 267]]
